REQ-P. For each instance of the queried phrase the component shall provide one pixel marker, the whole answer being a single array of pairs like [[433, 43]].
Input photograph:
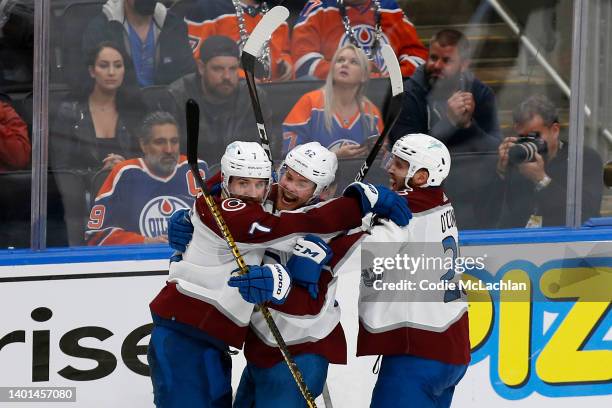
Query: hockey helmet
[[315, 162], [245, 159], [423, 152]]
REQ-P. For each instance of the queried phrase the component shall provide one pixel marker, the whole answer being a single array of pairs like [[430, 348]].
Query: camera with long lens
[[526, 147]]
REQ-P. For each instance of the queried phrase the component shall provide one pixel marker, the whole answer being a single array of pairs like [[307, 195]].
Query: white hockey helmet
[[423, 152], [314, 162], [245, 159]]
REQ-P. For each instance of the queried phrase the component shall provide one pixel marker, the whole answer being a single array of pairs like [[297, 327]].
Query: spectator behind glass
[[339, 115], [322, 28], [444, 99], [224, 17], [535, 191], [96, 130], [139, 195], [156, 39], [16, 42], [15, 146], [226, 112]]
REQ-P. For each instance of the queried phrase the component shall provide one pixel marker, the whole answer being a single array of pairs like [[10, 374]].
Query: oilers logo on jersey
[[365, 35], [133, 204], [154, 217], [335, 146]]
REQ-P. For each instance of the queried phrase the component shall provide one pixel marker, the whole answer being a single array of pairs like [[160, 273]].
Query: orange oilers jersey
[[319, 32], [224, 22], [306, 123]]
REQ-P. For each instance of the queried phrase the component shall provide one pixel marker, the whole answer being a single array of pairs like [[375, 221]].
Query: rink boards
[[80, 318]]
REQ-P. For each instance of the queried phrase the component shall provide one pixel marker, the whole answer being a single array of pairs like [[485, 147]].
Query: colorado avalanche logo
[[233, 204], [155, 214], [365, 36]]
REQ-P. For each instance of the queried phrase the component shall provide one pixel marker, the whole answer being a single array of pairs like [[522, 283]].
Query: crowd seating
[[71, 193], [66, 209], [70, 22]]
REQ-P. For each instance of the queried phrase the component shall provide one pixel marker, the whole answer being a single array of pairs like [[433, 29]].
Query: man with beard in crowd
[[226, 114], [139, 195], [154, 37], [444, 99]]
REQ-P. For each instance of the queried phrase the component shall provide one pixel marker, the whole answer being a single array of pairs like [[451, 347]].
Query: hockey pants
[[275, 387], [187, 371], [409, 381]]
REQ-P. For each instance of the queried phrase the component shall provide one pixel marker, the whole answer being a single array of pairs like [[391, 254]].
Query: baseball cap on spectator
[[218, 46]]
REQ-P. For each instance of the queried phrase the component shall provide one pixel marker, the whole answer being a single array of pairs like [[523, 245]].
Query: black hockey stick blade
[[192, 118], [394, 107], [251, 51]]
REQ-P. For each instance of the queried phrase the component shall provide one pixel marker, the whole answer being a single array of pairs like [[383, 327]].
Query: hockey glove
[[269, 282], [309, 255], [180, 230], [381, 201]]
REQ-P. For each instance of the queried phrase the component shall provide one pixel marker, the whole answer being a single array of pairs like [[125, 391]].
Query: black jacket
[[72, 139], [472, 170], [521, 200], [422, 112], [173, 57]]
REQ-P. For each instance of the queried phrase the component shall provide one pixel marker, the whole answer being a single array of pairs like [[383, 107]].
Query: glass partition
[[597, 200], [516, 50], [16, 54], [69, 174], [518, 67], [115, 132]]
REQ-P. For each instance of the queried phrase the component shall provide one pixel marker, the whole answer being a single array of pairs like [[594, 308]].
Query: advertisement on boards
[[83, 328]]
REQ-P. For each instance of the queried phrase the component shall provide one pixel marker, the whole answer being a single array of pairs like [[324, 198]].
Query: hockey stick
[[393, 110], [192, 112], [251, 51]]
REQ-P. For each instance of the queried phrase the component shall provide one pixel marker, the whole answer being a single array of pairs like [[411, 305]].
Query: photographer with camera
[[533, 167]]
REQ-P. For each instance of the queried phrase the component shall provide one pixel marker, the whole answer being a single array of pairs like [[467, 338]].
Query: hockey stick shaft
[[251, 51], [365, 167], [249, 66], [394, 108], [192, 112]]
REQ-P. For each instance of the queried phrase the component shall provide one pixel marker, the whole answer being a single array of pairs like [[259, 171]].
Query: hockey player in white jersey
[[309, 320], [424, 342], [198, 313]]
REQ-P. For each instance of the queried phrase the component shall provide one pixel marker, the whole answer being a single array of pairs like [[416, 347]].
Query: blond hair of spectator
[[329, 87]]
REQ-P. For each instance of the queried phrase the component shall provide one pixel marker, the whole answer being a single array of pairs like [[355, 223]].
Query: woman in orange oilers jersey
[[338, 115]]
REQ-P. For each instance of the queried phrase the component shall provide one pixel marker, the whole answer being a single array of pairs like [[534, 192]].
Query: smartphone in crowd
[[369, 141]]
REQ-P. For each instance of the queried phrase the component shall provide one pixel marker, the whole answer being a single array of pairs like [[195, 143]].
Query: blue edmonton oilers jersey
[[133, 203]]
